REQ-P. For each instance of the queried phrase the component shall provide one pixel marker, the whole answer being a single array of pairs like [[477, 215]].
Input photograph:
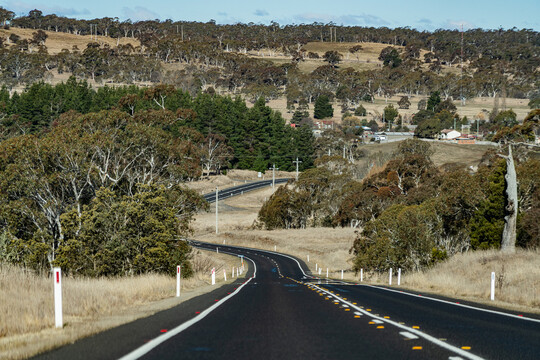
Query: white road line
[[377, 321], [149, 346], [455, 358], [455, 304], [406, 293], [408, 335], [419, 333]]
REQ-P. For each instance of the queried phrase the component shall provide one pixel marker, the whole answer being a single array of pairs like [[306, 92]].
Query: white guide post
[[217, 194], [492, 286], [58, 321], [225, 274], [341, 274], [232, 272], [275, 248], [327, 273], [308, 258], [361, 275], [217, 250], [399, 276], [316, 267], [390, 277], [320, 270], [178, 281], [213, 276]]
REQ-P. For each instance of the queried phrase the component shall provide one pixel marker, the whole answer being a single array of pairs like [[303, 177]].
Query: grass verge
[[90, 305]]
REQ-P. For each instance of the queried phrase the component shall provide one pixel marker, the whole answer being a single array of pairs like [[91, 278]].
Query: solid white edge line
[[396, 291], [455, 304], [429, 338], [149, 346]]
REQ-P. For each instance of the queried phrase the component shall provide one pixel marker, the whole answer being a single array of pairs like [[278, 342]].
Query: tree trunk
[[508, 242]]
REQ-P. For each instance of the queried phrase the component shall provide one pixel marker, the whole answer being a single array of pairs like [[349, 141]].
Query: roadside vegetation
[[409, 213], [91, 305]]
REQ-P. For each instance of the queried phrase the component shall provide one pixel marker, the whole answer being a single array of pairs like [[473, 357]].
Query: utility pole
[[273, 168], [217, 194], [297, 162]]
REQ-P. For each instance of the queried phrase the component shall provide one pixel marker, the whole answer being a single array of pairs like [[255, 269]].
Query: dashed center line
[[408, 335]]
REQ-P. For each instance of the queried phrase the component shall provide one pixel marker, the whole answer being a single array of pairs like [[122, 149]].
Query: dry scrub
[[468, 276], [90, 305]]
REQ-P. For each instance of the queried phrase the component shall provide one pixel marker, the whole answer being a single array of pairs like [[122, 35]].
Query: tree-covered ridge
[[92, 180], [410, 214], [499, 61], [227, 132]]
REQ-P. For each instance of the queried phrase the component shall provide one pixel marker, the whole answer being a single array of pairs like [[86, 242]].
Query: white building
[[448, 134]]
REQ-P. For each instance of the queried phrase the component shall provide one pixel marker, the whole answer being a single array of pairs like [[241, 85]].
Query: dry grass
[[326, 247], [56, 41], [468, 276], [90, 305]]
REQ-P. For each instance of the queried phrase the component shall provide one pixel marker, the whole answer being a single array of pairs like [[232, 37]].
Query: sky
[[422, 14]]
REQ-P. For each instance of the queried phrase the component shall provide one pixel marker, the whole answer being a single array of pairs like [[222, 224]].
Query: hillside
[[57, 41]]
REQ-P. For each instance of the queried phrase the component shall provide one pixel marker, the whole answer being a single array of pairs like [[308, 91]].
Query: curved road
[[240, 189], [280, 311]]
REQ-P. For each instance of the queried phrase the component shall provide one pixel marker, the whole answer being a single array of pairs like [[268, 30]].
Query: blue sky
[[421, 14]]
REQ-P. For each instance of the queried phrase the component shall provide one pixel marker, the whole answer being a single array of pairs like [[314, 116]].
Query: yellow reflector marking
[[466, 347], [347, 309], [416, 327], [371, 323], [368, 309], [387, 317], [417, 348], [356, 316]]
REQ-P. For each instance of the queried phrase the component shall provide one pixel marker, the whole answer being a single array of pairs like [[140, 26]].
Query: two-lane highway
[[241, 189], [282, 311]]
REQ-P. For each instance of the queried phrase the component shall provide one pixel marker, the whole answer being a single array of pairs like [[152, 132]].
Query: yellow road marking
[[356, 316], [347, 309], [417, 348], [387, 317], [371, 323], [368, 309], [380, 327], [466, 347], [416, 327]]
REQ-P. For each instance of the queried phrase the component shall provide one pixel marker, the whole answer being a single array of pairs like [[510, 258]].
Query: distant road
[[240, 189], [282, 311]]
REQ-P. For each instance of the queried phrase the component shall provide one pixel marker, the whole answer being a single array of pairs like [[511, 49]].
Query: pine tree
[[323, 108]]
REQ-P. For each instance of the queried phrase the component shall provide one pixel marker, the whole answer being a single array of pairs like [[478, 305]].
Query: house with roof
[[449, 134]]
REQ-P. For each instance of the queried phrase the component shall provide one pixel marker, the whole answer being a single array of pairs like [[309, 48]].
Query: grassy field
[[90, 305], [56, 41], [474, 108], [467, 276]]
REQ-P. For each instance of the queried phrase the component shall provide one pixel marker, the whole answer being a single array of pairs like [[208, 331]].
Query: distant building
[[323, 124], [448, 134]]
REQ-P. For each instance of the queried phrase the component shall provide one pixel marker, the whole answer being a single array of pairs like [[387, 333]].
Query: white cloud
[[358, 20], [139, 13], [456, 24]]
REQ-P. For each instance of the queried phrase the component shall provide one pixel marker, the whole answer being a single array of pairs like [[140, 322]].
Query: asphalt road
[[240, 189], [280, 312]]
